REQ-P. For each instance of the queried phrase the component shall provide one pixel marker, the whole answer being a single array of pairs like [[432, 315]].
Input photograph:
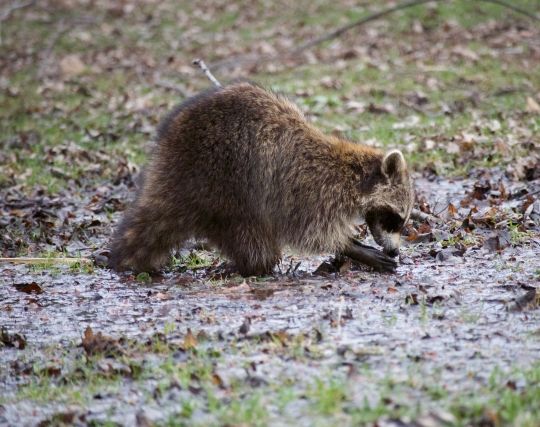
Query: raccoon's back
[[226, 141], [235, 115], [209, 153]]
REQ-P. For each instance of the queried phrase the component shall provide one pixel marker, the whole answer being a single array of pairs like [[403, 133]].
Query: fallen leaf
[[244, 328], [190, 341], [497, 242], [528, 301], [28, 288], [381, 109], [100, 344], [532, 105], [72, 65], [12, 340], [218, 381], [62, 419], [411, 299]]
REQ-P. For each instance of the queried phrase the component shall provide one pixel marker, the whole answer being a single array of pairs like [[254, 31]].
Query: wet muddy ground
[[294, 348], [453, 338]]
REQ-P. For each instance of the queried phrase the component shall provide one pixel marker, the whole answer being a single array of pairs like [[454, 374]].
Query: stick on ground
[[422, 216], [339, 31], [9, 10], [256, 59], [52, 261], [200, 63]]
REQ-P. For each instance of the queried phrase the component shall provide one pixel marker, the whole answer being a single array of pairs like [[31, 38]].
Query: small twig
[[339, 31], [340, 310], [254, 59], [200, 63], [9, 10], [514, 8], [524, 196], [422, 216], [25, 260]]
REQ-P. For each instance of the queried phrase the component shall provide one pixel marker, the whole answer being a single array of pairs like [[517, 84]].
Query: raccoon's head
[[391, 203]]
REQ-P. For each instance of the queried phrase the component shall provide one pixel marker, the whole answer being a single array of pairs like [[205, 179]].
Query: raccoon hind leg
[[143, 240], [252, 249]]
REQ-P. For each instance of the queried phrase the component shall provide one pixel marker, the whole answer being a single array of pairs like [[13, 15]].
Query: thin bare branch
[[254, 59], [338, 32], [52, 261], [200, 63], [514, 8], [16, 6], [342, 30], [422, 216]]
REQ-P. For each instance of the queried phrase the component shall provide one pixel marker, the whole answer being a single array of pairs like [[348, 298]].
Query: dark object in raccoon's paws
[[370, 256]]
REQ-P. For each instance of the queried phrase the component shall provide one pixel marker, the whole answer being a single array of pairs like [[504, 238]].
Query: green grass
[[55, 131], [509, 396], [192, 261], [327, 397], [509, 399], [72, 113]]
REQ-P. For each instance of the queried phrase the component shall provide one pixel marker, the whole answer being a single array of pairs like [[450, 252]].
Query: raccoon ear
[[393, 164]]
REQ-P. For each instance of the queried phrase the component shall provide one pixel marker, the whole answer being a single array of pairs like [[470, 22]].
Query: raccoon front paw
[[371, 257]]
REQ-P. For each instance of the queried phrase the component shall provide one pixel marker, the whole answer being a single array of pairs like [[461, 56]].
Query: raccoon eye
[[391, 221]]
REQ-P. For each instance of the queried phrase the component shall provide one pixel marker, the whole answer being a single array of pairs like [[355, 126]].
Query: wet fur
[[241, 167]]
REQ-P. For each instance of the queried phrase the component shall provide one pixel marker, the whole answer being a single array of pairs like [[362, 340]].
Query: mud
[[447, 319]]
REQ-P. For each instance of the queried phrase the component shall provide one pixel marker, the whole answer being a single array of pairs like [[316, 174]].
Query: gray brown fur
[[241, 167]]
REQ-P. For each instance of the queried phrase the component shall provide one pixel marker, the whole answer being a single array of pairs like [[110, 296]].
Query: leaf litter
[[463, 302]]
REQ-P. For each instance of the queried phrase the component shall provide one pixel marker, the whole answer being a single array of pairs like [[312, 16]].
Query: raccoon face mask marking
[[391, 203], [385, 226]]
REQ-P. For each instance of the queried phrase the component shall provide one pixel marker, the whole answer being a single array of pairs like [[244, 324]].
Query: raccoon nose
[[392, 252]]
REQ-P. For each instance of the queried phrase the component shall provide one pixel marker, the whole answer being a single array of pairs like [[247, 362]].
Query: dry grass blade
[[52, 261]]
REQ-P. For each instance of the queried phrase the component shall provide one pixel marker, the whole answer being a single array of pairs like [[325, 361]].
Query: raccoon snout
[[390, 243]]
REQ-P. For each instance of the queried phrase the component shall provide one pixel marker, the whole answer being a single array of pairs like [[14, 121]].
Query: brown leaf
[[452, 210], [424, 228], [532, 105], [497, 242], [413, 234], [100, 344], [61, 418], [411, 299], [28, 288], [72, 65], [481, 188], [12, 340], [486, 216], [190, 341], [281, 336], [218, 381], [530, 300], [50, 371], [244, 328], [380, 109]]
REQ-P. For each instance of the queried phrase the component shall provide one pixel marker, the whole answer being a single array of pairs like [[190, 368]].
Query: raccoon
[[241, 167]]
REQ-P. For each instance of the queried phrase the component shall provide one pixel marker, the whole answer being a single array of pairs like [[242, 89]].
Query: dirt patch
[[443, 322]]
